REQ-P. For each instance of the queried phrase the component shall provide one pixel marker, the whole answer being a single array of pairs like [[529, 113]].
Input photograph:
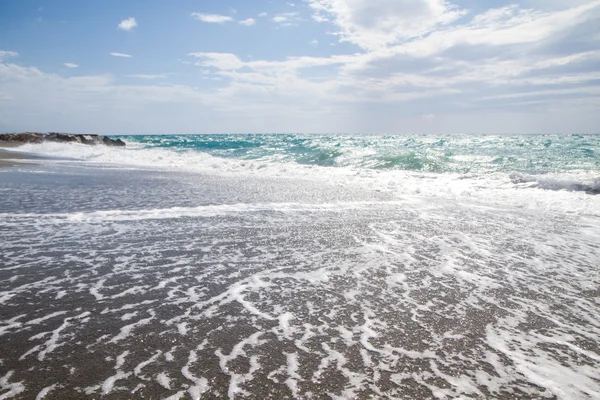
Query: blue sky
[[307, 66]]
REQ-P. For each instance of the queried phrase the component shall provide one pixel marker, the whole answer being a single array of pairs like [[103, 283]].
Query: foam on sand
[[397, 296], [10, 389]]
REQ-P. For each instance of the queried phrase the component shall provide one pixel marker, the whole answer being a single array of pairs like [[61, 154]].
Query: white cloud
[[222, 61], [94, 104], [373, 24], [127, 24], [121, 55], [263, 14], [546, 93], [286, 19], [500, 27], [271, 96], [7, 54], [314, 42], [71, 65], [500, 50], [148, 76], [212, 18], [388, 34], [248, 22]]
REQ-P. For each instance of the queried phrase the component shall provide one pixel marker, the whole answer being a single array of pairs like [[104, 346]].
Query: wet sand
[[13, 158], [9, 145], [164, 284]]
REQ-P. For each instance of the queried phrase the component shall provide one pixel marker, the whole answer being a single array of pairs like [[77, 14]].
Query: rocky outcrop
[[35, 137], [25, 137], [112, 142]]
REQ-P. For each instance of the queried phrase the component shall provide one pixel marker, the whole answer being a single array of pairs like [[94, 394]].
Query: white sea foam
[[423, 296], [45, 391], [60, 294], [525, 351], [138, 369], [11, 324], [292, 371], [176, 396], [128, 316], [164, 380], [516, 189], [169, 354], [55, 337], [46, 317], [11, 389], [109, 384], [585, 183], [95, 289], [182, 328], [128, 329], [183, 212], [199, 384]]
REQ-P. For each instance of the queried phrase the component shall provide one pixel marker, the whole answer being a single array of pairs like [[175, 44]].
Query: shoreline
[[12, 158], [10, 145]]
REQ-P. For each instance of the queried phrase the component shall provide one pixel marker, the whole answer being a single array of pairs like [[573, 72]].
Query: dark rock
[[35, 137], [112, 142], [61, 137], [25, 137], [90, 139]]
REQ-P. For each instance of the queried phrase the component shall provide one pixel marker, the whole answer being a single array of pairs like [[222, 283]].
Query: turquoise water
[[531, 154]]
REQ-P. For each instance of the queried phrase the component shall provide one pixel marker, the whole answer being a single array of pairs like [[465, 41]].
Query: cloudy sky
[[343, 66]]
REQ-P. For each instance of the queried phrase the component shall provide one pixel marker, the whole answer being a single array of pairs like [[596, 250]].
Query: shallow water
[[120, 282]]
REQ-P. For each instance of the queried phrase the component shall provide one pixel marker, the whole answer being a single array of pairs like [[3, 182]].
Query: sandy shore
[[10, 158], [10, 145]]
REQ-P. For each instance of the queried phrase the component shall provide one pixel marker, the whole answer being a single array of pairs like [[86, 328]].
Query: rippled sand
[[153, 285]]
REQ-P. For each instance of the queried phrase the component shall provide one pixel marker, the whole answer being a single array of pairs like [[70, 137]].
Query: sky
[[300, 66]]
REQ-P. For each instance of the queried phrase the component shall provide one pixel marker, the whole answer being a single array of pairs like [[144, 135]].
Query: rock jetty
[[36, 137]]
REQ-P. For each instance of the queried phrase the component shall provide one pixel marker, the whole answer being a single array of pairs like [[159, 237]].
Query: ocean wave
[[536, 155], [590, 186], [205, 211], [482, 177]]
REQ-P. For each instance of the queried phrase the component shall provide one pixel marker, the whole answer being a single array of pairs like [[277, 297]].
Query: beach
[[191, 270], [312, 200], [10, 156], [8, 159]]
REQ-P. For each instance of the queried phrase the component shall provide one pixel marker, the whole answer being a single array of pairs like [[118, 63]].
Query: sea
[[291, 266]]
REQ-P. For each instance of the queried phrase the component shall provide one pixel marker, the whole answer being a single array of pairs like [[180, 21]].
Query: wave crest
[[549, 182]]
